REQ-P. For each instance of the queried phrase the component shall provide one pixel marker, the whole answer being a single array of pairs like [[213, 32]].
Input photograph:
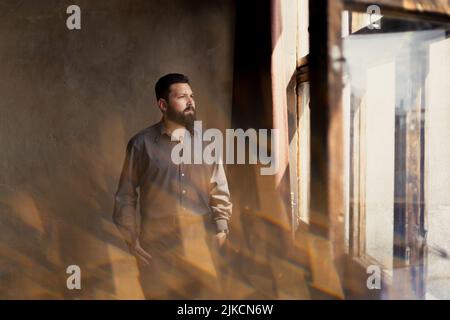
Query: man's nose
[[191, 102]]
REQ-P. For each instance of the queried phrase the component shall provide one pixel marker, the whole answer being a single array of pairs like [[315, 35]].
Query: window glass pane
[[397, 128], [437, 168]]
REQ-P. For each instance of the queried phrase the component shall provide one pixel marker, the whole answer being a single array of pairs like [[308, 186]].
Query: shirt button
[[183, 191], [182, 174]]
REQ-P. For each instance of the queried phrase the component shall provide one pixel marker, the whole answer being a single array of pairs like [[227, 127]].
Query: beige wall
[[70, 100]]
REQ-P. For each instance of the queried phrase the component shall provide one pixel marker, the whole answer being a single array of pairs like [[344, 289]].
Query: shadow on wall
[[64, 218], [59, 220]]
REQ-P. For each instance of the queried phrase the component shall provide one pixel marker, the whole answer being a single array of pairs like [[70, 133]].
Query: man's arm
[[219, 199], [124, 215]]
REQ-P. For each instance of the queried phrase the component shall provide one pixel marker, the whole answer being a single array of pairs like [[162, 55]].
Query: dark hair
[[162, 86]]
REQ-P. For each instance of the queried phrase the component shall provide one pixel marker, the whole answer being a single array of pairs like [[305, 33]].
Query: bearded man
[[184, 209]]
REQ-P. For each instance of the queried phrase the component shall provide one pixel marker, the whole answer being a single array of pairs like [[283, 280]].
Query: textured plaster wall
[[69, 101]]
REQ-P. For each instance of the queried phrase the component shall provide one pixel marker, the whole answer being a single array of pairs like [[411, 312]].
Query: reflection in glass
[[397, 132]]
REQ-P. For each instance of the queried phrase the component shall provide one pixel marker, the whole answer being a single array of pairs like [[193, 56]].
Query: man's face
[[181, 105]]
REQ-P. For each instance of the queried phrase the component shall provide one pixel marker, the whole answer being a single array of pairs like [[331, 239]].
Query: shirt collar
[[163, 131]]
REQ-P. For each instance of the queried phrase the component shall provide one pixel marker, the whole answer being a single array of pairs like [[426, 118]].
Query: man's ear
[[162, 104]]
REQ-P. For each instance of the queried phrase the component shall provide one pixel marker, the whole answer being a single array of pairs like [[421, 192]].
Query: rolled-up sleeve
[[219, 199], [126, 197]]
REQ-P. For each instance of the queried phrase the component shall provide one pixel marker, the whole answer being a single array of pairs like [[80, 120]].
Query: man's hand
[[140, 254], [220, 238]]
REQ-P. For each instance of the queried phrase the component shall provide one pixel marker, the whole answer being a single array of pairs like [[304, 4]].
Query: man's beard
[[183, 118]]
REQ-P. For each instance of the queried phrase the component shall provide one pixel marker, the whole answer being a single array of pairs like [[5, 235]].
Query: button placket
[[183, 191]]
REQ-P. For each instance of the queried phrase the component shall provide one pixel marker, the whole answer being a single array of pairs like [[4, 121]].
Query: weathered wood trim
[[434, 9], [327, 187]]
